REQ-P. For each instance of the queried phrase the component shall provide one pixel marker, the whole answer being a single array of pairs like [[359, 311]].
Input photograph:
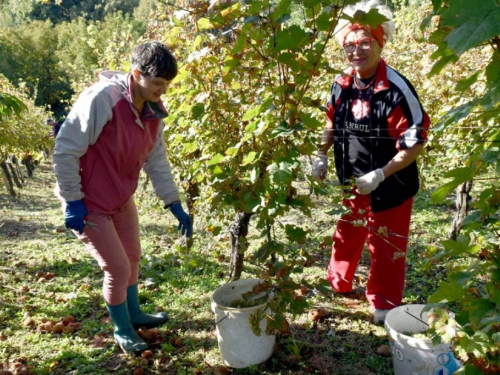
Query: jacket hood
[[119, 79], [124, 82], [114, 76]]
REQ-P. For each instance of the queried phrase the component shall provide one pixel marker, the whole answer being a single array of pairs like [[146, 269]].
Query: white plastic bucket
[[414, 356], [238, 345]]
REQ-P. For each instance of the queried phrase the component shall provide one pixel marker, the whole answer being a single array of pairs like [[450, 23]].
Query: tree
[[69, 10], [22, 134], [15, 12], [86, 47], [244, 119], [29, 57]]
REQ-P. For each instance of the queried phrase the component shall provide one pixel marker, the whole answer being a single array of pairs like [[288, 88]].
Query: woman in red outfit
[[377, 128]]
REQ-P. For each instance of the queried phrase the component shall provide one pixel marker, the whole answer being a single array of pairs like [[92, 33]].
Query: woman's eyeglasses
[[364, 44]]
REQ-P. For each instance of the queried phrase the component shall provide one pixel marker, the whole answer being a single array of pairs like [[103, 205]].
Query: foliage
[[245, 114], [15, 12], [472, 289], [28, 57], [69, 10], [86, 47], [10, 105], [243, 131], [22, 124]]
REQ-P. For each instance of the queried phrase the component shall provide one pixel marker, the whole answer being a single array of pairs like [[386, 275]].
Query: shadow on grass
[[325, 352]]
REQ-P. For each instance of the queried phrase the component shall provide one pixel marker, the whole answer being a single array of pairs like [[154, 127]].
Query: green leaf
[[204, 23], [283, 8], [442, 62], [229, 8], [311, 122], [311, 3], [189, 148], [282, 130], [480, 309], [457, 247], [216, 159], [373, 18], [240, 44], [490, 317], [471, 25], [298, 305], [496, 338], [459, 175], [472, 218], [323, 22], [280, 172], [250, 128], [251, 113], [474, 32], [232, 151], [439, 195], [290, 60], [465, 83], [426, 22], [230, 64], [291, 39], [295, 234], [447, 292], [455, 115], [249, 158], [182, 75], [10, 104], [492, 97], [436, 4], [262, 253], [197, 110]]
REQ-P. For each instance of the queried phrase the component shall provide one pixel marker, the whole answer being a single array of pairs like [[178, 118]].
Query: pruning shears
[[89, 223]]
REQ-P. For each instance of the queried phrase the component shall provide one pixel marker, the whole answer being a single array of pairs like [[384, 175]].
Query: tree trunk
[[28, 162], [238, 231], [7, 179], [192, 193], [462, 207], [15, 176], [15, 163]]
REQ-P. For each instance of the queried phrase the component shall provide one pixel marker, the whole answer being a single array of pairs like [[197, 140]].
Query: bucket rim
[[410, 340], [239, 309]]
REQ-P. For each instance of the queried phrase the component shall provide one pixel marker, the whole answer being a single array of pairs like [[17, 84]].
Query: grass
[[45, 274]]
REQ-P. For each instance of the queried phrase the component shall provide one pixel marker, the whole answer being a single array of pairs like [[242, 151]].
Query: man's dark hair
[[155, 60]]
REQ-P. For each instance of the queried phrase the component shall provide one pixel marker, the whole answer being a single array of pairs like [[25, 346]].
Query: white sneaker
[[379, 316]]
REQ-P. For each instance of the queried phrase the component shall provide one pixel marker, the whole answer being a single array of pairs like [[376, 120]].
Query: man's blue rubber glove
[[74, 215], [185, 224]]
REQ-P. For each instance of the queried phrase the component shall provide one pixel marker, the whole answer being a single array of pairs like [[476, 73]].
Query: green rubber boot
[[137, 317], [126, 337]]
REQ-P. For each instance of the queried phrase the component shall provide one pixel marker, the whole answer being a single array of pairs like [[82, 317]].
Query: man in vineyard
[[377, 127], [114, 129], [55, 127]]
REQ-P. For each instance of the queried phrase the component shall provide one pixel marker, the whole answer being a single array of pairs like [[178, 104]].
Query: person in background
[[114, 130], [377, 127], [55, 127]]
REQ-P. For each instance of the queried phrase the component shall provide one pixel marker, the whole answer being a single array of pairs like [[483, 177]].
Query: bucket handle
[[220, 320], [413, 316]]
